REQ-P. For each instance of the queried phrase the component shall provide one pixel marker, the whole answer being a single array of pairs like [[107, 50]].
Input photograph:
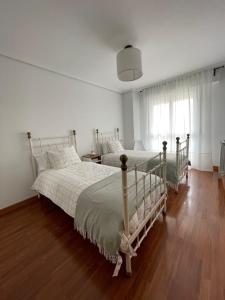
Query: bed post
[[31, 151], [97, 141], [75, 139], [123, 159], [32, 158], [164, 174], [188, 141], [177, 161], [118, 135]]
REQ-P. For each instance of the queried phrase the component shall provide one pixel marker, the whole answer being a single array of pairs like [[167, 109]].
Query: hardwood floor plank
[[42, 257]]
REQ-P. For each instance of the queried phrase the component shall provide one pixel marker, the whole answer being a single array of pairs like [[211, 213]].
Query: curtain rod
[[215, 69]]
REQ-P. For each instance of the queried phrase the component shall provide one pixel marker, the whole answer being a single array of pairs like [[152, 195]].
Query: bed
[[113, 207], [177, 163]]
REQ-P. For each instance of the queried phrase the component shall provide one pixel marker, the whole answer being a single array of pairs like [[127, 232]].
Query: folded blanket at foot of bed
[[99, 212]]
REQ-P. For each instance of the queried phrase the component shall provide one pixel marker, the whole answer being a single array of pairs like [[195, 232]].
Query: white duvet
[[64, 186]]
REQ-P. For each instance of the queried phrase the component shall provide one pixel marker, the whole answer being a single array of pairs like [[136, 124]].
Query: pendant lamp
[[129, 66]]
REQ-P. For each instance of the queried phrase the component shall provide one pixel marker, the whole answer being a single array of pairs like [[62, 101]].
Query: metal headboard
[[103, 137], [41, 145]]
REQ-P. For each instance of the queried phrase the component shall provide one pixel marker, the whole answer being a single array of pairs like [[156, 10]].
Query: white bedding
[[113, 159], [63, 187]]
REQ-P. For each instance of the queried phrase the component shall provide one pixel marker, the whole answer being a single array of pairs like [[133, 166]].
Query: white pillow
[[71, 155], [64, 158], [115, 146], [42, 162], [57, 160]]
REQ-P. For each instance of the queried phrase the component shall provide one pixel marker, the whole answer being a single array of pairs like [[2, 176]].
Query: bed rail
[[150, 187]]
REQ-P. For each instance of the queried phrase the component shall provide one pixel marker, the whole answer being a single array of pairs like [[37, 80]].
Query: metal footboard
[[149, 187], [182, 159]]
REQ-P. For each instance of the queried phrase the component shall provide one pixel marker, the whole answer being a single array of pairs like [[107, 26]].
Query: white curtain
[[177, 107]]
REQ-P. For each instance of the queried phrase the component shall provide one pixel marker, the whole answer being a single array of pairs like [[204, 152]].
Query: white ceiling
[[82, 37]]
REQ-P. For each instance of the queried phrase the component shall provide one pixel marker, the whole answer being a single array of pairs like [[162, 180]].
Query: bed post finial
[[74, 132], [29, 135], [123, 159], [164, 145], [117, 131], [178, 140]]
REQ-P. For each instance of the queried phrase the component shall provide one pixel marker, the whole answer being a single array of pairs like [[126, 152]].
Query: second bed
[[108, 144]]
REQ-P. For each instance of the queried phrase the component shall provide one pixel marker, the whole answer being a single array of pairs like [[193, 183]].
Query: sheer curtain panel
[[175, 108]]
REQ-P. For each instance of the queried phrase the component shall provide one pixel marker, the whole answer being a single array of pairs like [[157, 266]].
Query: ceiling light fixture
[[129, 66]]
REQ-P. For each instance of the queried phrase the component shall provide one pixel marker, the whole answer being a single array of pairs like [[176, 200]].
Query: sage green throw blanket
[[138, 157], [99, 213]]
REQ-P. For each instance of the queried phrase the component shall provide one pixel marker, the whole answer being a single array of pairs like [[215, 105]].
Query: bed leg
[[128, 265], [187, 172]]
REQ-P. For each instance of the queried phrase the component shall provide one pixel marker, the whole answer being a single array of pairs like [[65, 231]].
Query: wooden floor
[[42, 257]]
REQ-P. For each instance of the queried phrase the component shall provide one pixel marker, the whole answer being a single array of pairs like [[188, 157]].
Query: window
[[167, 121]]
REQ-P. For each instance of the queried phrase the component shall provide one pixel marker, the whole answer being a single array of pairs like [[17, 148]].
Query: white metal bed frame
[[149, 182], [182, 152]]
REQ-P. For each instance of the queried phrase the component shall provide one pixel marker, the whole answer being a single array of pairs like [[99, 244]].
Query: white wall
[[131, 119], [128, 120], [47, 104], [218, 118]]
